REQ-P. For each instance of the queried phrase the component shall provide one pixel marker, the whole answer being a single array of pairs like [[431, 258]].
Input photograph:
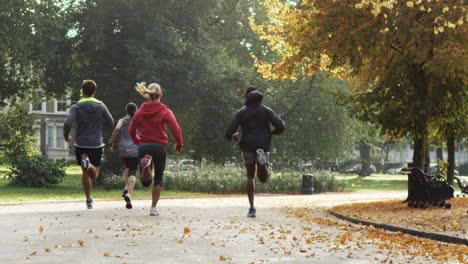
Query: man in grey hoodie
[[89, 115]]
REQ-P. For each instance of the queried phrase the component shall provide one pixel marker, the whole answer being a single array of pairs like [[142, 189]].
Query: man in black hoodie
[[89, 115], [254, 120]]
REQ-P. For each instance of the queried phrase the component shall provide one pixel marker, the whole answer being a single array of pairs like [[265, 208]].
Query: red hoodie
[[150, 121]]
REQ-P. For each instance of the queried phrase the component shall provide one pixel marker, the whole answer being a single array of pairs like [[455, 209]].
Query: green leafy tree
[[398, 54], [17, 136]]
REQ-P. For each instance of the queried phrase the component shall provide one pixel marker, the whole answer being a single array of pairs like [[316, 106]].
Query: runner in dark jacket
[[90, 115], [254, 119]]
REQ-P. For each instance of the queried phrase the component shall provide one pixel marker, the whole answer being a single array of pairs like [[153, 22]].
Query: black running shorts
[[94, 155], [131, 164], [251, 157]]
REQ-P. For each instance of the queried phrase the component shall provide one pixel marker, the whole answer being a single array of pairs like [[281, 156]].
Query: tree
[[17, 137], [35, 51], [398, 54]]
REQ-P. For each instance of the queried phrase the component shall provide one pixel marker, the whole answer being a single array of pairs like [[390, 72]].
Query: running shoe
[[261, 157], [85, 161], [145, 161], [153, 211], [89, 204], [124, 193], [252, 213], [128, 201]]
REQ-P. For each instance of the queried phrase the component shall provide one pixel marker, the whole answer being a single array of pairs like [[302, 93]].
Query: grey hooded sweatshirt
[[90, 115]]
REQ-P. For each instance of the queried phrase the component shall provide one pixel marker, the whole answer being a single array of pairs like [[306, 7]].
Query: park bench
[[428, 190]]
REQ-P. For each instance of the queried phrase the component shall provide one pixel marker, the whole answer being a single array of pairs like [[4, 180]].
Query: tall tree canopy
[[399, 55]]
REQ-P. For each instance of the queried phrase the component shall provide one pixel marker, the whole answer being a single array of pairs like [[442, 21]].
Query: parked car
[[182, 164], [396, 170], [356, 169]]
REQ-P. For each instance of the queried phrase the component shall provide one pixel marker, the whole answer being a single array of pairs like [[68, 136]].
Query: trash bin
[[307, 184]]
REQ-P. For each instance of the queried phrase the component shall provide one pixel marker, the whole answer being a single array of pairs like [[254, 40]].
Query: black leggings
[[158, 153]]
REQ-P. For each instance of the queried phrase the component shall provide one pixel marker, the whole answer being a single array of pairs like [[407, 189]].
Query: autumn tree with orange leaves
[[406, 60]]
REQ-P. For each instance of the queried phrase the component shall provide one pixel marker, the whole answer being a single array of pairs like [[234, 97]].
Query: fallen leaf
[[41, 228], [81, 242], [106, 254]]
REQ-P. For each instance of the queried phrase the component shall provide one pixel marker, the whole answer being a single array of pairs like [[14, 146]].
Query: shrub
[[218, 179], [36, 171]]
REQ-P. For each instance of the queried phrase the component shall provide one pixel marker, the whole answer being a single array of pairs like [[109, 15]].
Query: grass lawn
[[376, 182], [70, 188]]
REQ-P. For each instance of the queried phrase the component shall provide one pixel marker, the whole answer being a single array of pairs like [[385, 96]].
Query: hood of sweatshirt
[[150, 109], [89, 106], [254, 98]]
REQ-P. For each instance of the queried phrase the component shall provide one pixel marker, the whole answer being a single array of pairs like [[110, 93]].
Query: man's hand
[[111, 147], [236, 137], [178, 148], [68, 139]]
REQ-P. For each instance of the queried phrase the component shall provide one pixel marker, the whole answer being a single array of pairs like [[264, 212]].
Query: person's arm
[[133, 128], [68, 123], [108, 119], [115, 133], [232, 127], [175, 130], [277, 123]]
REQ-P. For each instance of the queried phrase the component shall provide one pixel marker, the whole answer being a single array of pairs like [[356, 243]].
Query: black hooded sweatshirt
[[254, 120]]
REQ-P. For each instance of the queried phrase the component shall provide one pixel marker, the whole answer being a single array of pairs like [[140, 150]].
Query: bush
[[36, 171], [218, 179]]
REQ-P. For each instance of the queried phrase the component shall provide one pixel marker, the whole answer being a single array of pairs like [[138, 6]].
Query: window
[[59, 137], [50, 137], [62, 104], [36, 104]]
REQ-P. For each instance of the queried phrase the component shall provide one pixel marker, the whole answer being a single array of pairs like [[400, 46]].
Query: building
[[49, 117], [48, 124]]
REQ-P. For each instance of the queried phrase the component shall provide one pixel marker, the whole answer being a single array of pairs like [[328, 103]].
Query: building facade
[[48, 124]]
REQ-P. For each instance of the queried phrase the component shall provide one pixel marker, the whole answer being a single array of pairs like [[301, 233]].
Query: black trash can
[[307, 184]]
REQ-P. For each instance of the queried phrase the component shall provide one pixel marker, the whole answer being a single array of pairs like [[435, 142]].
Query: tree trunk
[[364, 151], [419, 160], [450, 157], [427, 157]]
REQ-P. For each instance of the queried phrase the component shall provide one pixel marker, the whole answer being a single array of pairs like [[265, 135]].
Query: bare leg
[[262, 173], [156, 194], [92, 172], [126, 177], [86, 181], [250, 183], [131, 183], [146, 176]]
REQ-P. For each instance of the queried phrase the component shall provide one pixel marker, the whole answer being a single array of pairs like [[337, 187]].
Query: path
[[218, 229]]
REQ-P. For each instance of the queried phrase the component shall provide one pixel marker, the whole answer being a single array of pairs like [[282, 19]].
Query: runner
[[150, 121], [128, 152], [254, 120], [90, 115]]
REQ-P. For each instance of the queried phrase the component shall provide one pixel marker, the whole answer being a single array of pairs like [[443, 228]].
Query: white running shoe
[[153, 211], [261, 157]]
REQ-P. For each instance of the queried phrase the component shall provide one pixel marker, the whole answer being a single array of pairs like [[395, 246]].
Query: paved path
[[218, 229]]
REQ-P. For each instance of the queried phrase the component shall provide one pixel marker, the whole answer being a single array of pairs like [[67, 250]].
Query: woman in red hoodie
[[148, 131]]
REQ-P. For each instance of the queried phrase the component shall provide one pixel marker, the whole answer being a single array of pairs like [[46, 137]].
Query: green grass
[[376, 182], [70, 188], [210, 180]]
